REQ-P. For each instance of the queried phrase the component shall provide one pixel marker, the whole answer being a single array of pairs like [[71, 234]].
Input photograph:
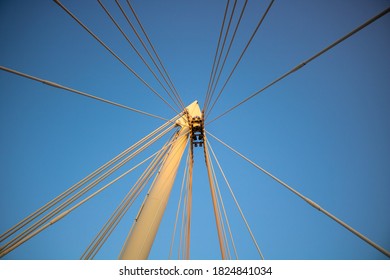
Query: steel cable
[[307, 200], [301, 65], [169, 82], [76, 186], [52, 84], [215, 55], [136, 51], [113, 53], [241, 56]]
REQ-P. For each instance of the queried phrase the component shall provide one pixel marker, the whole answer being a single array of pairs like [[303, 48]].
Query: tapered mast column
[[144, 230]]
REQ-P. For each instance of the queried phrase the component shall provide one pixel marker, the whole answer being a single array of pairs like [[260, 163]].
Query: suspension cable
[[184, 239], [69, 201], [180, 249], [236, 201], [155, 52], [214, 200], [177, 137], [178, 208], [51, 203], [126, 206], [189, 204], [216, 53], [309, 201], [52, 84], [65, 213], [242, 54], [115, 218], [113, 53], [223, 207], [301, 65], [220, 54], [229, 48], [136, 50], [126, 203], [220, 205], [123, 207], [162, 69]]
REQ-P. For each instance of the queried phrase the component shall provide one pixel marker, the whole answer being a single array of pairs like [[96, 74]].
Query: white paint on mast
[[141, 237]]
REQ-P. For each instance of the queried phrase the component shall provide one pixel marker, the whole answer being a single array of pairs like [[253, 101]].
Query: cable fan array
[[92, 185]]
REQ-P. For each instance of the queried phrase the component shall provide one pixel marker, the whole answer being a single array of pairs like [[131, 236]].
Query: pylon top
[[192, 111]]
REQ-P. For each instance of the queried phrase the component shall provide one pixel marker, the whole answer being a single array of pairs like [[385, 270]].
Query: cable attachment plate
[[197, 136]]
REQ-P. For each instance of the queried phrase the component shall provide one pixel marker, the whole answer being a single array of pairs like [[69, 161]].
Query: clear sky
[[324, 130]]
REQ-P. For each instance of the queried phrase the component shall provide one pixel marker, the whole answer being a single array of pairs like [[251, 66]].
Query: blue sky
[[324, 130]]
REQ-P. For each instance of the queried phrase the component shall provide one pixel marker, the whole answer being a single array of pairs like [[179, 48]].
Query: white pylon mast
[[144, 230]]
